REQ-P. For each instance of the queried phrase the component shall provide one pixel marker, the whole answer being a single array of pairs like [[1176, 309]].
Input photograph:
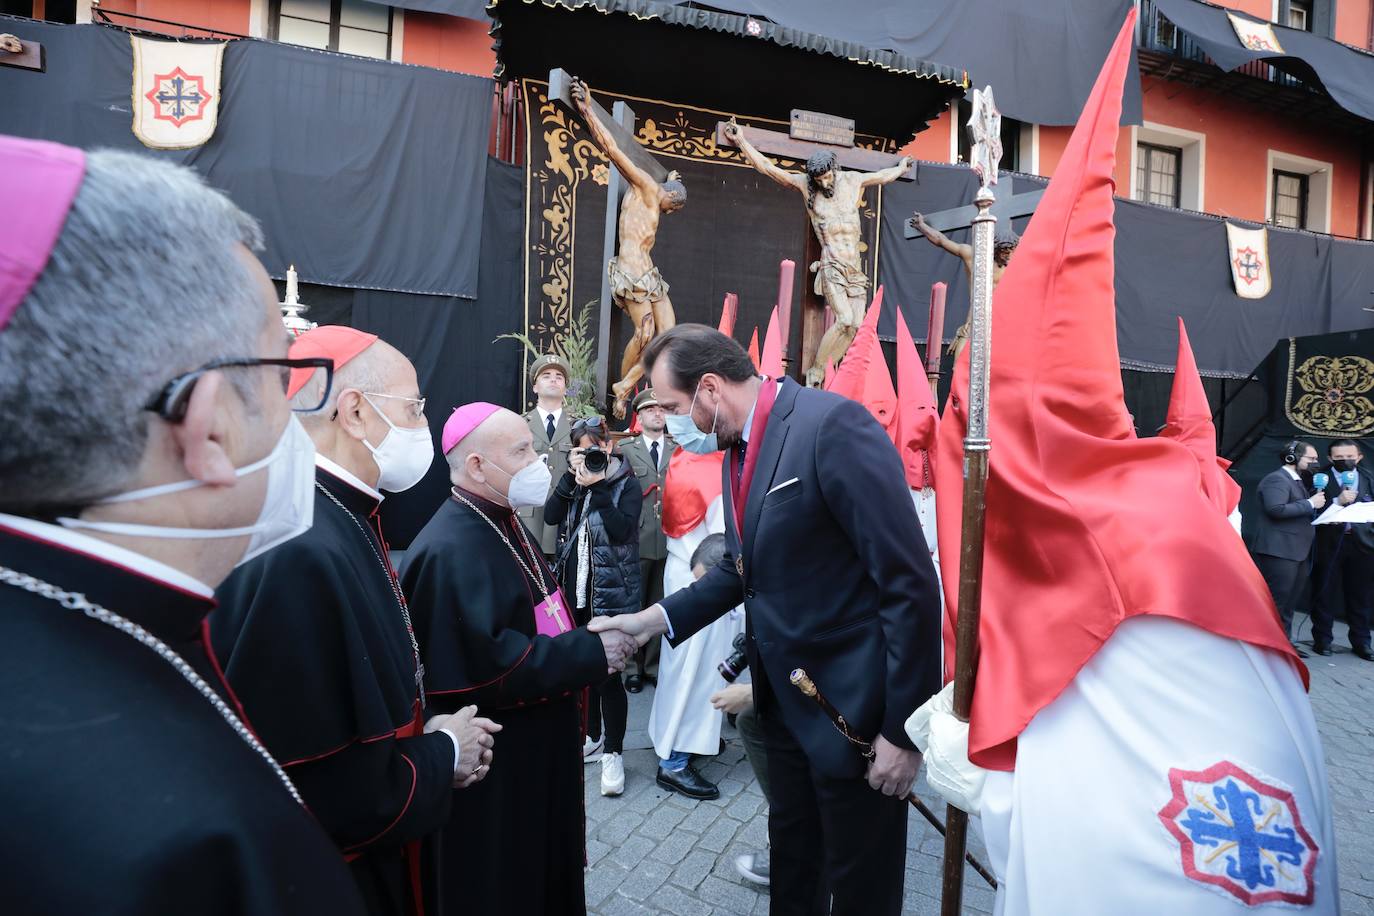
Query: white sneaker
[[612, 774], [591, 750]]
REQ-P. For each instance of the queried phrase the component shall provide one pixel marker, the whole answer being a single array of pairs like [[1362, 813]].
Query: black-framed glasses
[[170, 403]]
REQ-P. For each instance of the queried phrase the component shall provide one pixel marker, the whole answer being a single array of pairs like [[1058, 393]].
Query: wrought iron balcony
[[1155, 33]]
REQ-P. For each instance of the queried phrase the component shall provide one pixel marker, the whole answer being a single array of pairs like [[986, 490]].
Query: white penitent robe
[[682, 718], [924, 501], [1180, 772]]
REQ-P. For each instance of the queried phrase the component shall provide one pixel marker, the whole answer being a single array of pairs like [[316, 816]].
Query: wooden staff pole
[[935, 336], [786, 269], [985, 126]]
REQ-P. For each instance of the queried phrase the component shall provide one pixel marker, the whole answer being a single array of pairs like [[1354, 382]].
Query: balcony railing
[[1154, 32]]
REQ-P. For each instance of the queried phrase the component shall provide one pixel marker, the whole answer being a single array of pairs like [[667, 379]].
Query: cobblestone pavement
[[653, 851]]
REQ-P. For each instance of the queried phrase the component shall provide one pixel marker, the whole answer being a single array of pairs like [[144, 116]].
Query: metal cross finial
[[985, 129]]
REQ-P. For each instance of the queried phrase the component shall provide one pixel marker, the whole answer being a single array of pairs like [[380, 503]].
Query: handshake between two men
[[893, 769]]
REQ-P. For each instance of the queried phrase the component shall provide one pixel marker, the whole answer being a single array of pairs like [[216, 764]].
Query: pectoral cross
[[553, 606]]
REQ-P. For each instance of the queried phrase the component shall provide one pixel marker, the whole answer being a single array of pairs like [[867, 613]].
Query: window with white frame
[[350, 26], [1157, 171], [1170, 166], [1298, 195], [1019, 139]]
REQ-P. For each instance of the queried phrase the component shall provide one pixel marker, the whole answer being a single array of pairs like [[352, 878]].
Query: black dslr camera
[[594, 459], [734, 665]]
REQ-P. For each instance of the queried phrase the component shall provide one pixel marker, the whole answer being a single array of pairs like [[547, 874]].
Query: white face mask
[[287, 510], [404, 456], [529, 486]]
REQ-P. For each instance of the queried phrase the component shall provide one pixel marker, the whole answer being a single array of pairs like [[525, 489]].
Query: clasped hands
[[476, 737]]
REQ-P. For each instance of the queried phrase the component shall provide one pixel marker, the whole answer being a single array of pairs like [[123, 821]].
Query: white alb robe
[[682, 717], [1079, 827]]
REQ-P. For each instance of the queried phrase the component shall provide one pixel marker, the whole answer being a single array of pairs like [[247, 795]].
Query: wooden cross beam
[[29, 57], [777, 143], [560, 89], [1008, 206]]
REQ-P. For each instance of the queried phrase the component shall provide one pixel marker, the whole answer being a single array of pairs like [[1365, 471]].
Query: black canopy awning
[[672, 52], [1346, 73], [1040, 56]]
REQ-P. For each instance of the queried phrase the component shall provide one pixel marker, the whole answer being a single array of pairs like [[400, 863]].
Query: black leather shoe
[[634, 683], [1302, 653], [1321, 648], [687, 781], [1364, 653]]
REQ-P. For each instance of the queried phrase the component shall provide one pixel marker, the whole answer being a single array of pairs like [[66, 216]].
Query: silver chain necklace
[[395, 590], [538, 580], [77, 602]]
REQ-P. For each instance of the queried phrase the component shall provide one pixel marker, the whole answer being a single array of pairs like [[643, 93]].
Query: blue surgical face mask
[[685, 433]]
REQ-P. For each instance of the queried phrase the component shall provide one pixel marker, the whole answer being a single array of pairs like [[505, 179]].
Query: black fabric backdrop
[[1041, 57], [1169, 263], [363, 173], [447, 338], [1347, 74], [1286, 416]]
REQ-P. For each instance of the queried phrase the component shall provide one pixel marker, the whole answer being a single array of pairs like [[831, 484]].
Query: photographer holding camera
[[596, 507]]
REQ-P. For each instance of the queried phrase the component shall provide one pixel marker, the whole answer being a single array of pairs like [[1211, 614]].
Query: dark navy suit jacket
[[1285, 526], [837, 578]]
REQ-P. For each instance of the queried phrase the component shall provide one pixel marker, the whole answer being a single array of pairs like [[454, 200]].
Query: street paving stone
[[655, 852]]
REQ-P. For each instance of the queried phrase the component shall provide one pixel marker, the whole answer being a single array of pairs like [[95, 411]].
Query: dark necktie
[[653, 454], [742, 448], [550, 427]]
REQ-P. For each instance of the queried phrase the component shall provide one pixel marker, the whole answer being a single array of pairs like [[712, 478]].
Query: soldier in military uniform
[[550, 423], [648, 455]]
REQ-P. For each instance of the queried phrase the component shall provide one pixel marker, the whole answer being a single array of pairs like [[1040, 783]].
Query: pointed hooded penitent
[[1189, 421], [863, 375], [917, 418], [1086, 524]]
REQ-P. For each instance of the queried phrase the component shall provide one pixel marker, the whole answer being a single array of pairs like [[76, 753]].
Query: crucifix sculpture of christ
[[832, 202], [985, 131]]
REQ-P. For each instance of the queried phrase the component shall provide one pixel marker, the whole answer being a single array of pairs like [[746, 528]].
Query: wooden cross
[[30, 55], [777, 143], [1007, 207], [560, 89]]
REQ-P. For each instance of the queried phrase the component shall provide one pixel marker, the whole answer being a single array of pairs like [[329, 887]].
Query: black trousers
[[608, 699], [835, 835], [1348, 569], [1285, 581], [645, 662]]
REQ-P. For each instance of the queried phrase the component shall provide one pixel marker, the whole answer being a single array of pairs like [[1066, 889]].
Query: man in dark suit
[[836, 579], [550, 422], [1283, 533], [648, 455], [1345, 555]]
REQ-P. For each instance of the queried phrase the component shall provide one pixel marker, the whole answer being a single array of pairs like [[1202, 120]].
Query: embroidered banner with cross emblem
[[1241, 835], [176, 91], [1248, 252]]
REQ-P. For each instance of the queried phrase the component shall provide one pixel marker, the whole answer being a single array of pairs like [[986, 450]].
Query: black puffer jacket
[[613, 527]]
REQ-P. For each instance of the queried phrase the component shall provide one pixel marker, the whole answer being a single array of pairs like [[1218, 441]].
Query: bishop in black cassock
[[315, 636], [480, 588], [131, 782]]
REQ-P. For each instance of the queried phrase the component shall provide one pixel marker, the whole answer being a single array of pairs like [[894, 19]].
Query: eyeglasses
[[593, 425], [170, 403], [416, 405]]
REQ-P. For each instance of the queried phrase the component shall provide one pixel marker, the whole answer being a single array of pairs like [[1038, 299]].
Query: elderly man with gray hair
[[148, 449]]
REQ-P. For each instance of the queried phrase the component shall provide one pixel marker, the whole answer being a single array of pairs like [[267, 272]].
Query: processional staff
[[802, 681], [985, 129]]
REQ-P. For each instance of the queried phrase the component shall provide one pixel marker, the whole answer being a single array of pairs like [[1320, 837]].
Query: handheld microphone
[[1319, 481], [1348, 479]]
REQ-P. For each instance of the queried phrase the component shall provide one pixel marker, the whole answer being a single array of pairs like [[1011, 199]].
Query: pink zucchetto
[[464, 420], [38, 182]]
